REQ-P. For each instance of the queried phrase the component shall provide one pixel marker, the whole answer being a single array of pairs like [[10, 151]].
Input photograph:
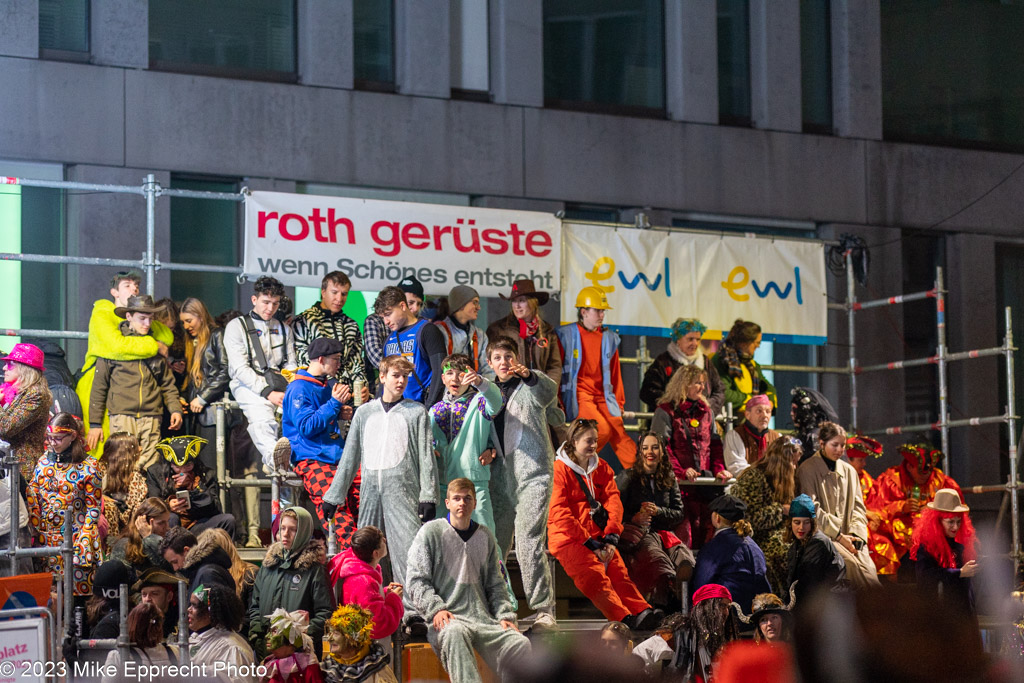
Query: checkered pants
[[316, 479]]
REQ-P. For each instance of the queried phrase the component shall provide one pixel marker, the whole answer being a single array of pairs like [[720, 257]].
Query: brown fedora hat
[[142, 303], [947, 500], [526, 288]]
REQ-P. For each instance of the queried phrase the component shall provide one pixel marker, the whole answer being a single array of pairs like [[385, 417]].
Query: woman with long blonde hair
[[206, 373], [124, 485], [767, 487], [244, 573]]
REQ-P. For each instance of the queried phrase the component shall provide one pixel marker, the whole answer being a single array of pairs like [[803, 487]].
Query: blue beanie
[[802, 506]]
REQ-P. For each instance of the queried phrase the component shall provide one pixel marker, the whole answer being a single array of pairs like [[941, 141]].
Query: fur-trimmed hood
[[206, 551], [315, 553]]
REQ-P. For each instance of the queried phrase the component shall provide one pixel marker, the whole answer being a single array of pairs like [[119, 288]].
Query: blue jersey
[[407, 344]]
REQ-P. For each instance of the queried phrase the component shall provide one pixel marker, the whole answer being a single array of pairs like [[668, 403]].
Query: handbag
[[275, 380], [598, 513]]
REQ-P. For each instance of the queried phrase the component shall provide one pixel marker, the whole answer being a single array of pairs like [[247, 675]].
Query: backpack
[[59, 378]]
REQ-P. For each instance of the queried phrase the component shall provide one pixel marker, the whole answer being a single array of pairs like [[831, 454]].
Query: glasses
[[793, 441], [9, 366], [57, 438]]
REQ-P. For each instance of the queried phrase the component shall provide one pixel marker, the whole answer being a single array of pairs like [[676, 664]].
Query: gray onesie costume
[[398, 471], [463, 577], [521, 486]]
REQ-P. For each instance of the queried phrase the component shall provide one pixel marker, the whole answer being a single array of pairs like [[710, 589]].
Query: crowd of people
[[431, 448]]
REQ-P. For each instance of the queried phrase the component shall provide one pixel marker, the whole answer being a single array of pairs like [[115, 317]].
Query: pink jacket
[[362, 585]]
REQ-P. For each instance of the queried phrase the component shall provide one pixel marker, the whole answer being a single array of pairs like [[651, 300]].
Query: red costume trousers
[[609, 588], [608, 428], [316, 479]]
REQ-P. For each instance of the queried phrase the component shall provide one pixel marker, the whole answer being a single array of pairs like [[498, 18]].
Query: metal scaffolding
[[149, 263]]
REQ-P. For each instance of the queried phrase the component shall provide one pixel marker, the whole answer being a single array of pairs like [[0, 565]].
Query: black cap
[[324, 346], [106, 582], [410, 285], [730, 507]]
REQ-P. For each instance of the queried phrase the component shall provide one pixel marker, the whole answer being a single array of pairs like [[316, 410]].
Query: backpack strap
[[256, 353]]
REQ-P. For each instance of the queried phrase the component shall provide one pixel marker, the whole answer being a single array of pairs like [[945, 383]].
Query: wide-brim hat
[[155, 576], [143, 303], [26, 354], [947, 500], [526, 288]]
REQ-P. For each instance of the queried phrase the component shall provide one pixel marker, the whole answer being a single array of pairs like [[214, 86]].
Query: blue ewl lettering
[[631, 284]]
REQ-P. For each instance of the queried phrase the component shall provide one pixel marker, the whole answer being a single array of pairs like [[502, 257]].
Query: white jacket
[[278, 344], [5, 508]]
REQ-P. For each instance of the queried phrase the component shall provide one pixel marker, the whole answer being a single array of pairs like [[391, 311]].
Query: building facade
[[810, 118]]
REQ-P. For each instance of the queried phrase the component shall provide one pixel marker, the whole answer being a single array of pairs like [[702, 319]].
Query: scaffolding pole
[[1011, 400], [851, 303], [940, 328]]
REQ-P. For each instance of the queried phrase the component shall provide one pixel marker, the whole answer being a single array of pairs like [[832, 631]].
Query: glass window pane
[[734, 62], [470, 59], [204, 231], [816, 65], [64, 25], [232, 36], [951, 73], [605, 52], [374, 41]]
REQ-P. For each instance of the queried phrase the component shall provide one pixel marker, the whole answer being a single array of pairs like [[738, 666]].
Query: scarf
[[735, 360], [528, 329], [759, 436], [7, 393], [302, 534], [678, 356]]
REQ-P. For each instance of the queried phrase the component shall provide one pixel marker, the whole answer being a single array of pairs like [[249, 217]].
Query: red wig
[[931, 537]]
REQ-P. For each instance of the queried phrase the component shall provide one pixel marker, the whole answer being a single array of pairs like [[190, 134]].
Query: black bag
[[598, 513], [275, 380]]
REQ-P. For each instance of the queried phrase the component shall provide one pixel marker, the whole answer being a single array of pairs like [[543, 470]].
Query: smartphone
[[183, 495]]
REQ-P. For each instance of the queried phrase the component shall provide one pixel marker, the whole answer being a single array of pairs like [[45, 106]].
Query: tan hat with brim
[[947, 500], [142, 303]]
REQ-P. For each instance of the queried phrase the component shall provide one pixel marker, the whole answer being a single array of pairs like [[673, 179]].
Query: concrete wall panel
[[19, 28], [56, 111]]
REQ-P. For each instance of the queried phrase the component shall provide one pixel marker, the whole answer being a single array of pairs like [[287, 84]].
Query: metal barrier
[[150, 264]]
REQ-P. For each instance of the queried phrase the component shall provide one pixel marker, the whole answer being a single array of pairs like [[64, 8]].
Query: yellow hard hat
[[592, 297]]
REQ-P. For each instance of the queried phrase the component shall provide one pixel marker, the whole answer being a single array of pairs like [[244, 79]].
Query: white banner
[[300, 238], [653, 277]]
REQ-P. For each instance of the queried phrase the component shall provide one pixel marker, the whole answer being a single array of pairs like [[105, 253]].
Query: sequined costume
[[891, 498]]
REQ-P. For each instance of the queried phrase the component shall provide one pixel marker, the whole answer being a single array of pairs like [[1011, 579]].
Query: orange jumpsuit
[[890, 498], [591, 400], [570, 527]]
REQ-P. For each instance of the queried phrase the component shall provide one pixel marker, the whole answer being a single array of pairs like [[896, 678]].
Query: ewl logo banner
[[652, 277], [300, 238]]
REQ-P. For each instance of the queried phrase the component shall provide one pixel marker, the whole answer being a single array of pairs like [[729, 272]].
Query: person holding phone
[[189, 488]]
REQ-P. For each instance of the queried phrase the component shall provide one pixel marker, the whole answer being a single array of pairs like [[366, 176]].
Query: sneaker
[[415, 626], [282, 455], [254, 539], [544, 622]]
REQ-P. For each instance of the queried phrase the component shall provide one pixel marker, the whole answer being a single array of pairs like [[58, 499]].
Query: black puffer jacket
[[206, 563]]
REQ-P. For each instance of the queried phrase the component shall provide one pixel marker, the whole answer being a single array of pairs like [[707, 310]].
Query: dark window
[[374, 44], [42, 232], [734, 62], [816, 66], [64, 27], [951, 73], [605, 54], [204, 231], [233, 38]]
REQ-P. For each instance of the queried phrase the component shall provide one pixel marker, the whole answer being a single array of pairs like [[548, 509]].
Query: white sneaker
[[544, 622], [282, 455]]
